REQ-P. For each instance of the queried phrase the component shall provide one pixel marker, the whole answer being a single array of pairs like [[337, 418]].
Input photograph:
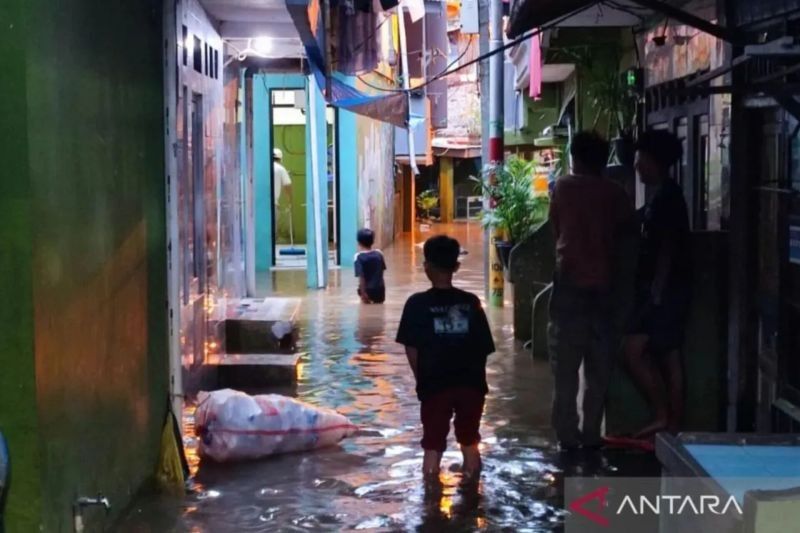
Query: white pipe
[[321, 251], [412, 155]]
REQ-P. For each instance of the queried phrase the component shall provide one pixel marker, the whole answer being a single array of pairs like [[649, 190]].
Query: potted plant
[[427, 200], [517, 210]]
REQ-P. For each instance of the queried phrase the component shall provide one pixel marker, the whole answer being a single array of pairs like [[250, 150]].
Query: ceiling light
[[262, 45]]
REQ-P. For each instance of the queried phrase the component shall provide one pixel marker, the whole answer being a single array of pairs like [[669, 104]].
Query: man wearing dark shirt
[[589, 213], [369, 267], [663, 284], [447, 340]]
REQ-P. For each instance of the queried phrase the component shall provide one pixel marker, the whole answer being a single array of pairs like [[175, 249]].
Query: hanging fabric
[[535, 88]]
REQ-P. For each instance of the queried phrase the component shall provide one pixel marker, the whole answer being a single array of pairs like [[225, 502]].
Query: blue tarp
[[390, 106]]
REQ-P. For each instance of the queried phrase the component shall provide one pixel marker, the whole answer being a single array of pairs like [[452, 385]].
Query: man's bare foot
[[657, 426]]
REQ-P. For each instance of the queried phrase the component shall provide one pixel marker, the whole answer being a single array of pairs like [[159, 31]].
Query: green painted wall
[[17, 365], [541, 114], [292, 141], [86, 214]]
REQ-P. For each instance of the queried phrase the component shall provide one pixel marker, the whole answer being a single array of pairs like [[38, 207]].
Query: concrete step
[[255, 371], [268, 326]]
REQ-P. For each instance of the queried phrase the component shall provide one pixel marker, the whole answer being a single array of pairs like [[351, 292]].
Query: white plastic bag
[[234, 426]]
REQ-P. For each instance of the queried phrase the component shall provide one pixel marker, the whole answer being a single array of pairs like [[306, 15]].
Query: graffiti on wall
[[376, 178]]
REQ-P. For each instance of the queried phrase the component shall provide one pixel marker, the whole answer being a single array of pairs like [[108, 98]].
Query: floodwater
[[372, 481]]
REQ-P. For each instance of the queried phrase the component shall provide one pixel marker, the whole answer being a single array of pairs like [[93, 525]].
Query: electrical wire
[[448, 67], [636, 48], [506, 46], [630, 10], [366, 39]]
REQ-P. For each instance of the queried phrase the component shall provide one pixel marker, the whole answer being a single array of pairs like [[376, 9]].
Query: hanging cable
[[630, 10], [367, 39], [506, 46], [438, 76]]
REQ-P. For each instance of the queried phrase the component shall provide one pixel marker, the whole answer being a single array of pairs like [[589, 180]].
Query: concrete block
[[256, 371], [261, 326], [531, 267]]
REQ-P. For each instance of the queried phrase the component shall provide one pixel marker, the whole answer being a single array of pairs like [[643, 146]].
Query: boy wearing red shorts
[[447, 340]]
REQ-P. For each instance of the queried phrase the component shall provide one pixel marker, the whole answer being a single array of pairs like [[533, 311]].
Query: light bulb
[[262, 45]]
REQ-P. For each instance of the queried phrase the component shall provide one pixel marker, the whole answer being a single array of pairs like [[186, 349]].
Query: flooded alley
[[373, 480], [191, 187]]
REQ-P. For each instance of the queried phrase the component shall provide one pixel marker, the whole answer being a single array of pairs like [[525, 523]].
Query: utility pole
[[496, 149], [483, 78]]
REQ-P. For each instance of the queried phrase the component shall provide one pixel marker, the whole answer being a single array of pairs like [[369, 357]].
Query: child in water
[[447, 340], [369, 265]]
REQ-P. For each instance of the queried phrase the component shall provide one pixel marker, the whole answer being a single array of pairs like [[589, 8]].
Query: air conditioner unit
[[555, 131]]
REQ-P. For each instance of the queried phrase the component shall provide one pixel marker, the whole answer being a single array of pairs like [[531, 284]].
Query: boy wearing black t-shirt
[[447, 340]]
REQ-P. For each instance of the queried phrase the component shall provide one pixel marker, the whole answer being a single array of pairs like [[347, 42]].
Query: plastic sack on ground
[[234, 426]]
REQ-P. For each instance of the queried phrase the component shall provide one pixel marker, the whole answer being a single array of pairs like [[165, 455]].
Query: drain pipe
[[401, 20], [83, 502]]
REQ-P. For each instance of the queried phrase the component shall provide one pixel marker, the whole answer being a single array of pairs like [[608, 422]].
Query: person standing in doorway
[[663, 284], [589, 214], [282, 187], [281, 179]]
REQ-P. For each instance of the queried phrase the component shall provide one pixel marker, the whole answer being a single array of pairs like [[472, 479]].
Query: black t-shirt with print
[[448, 327]]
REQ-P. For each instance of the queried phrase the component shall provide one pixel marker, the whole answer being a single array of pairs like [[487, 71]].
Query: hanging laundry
[[535, 89]]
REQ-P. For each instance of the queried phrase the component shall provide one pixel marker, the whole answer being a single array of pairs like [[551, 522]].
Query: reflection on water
[[373, 481]]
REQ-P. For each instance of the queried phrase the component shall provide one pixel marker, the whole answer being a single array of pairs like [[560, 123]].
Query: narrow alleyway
[[372, 482]]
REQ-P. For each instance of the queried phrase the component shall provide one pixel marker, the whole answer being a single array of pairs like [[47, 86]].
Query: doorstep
[[255, 370]]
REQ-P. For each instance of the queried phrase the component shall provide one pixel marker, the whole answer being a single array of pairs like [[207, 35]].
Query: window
[[682, 132], [185, 45], [197, 56], [216, 64], [702, 181]]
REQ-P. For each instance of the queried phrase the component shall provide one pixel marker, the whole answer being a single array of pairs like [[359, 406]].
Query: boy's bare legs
[[674, 372], [472, 461], [649, 382], [431, 464]]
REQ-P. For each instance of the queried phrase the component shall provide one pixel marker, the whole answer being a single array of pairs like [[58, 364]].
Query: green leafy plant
[[427, 200], [517, 210], [612, 102], [602, 84]]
